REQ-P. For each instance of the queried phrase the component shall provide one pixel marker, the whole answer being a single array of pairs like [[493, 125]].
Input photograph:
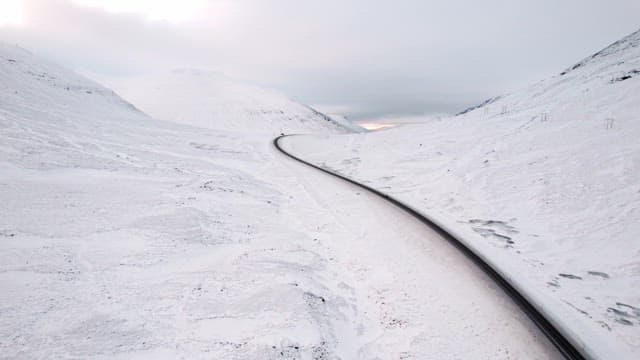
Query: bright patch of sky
[[11, 12], [173, 11]]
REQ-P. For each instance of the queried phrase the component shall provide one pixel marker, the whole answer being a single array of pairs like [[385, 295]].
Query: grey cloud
[[374, 57]]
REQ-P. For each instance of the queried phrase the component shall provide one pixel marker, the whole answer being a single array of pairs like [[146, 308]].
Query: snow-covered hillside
[[124, 236], [603, 84], [212, 100], [545, 181]]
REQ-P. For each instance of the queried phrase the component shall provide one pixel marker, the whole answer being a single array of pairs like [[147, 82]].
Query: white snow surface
[[545, 181], [123, 236], [212, 100]]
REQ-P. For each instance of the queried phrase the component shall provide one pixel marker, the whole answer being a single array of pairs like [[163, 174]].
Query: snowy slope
[[602, 84], [212, 100], [546, 181], [123, 236]]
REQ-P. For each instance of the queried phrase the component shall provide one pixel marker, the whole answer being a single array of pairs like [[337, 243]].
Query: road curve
[[556, 336]]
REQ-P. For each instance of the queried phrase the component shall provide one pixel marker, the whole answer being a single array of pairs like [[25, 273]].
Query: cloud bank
[[368, 58]]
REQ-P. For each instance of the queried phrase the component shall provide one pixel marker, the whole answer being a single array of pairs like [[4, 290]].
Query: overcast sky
[[362, 58]]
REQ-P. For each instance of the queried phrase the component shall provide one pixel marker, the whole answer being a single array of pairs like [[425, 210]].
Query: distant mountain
[[212, 100]]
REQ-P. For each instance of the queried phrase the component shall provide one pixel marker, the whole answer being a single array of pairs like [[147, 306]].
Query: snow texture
[[545, 181], [124, 236]]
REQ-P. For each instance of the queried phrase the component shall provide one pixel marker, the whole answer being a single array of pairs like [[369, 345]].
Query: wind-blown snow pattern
[[545, 181], [124, 236]]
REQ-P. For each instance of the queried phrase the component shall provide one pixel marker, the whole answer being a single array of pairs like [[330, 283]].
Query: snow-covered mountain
[[124, 236], [545, 181], [603, 84], [127, 236], [25, 77], [212, 100]]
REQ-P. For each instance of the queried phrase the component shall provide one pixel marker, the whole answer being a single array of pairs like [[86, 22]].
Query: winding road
[[554, 335]]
